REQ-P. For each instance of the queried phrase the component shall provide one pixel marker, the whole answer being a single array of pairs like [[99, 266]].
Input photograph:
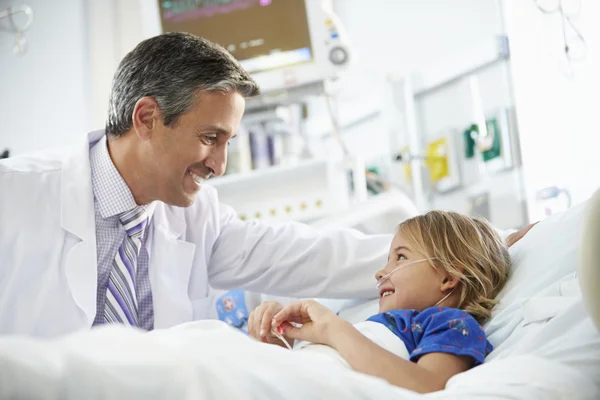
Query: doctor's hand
[[518, 235], [259, 322], [319, 323]]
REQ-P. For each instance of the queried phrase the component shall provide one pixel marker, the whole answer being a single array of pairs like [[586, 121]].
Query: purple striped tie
[[121, 301]]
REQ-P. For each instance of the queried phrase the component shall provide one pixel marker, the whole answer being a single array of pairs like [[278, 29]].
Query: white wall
[[407, 36], [59, 90], [115, 29], [558, 115], [44, 94]]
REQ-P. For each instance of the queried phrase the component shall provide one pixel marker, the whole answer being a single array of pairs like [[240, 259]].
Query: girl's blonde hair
[[468, 249]]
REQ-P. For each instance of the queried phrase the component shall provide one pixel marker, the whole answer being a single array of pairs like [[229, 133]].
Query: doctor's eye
[[210, 140]]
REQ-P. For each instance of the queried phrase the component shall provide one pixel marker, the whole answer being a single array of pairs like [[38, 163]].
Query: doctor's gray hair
[[171, 68]]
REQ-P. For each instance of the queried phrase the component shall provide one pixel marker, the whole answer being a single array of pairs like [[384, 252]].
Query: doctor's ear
[[146, 115]]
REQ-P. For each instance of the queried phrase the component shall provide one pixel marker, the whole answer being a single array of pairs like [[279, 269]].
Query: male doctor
[[121, 229]]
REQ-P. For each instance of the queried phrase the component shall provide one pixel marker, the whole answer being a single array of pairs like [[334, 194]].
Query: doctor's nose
[[217, 161]]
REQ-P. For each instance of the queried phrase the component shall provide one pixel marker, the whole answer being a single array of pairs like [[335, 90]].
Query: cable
[[336, 131], [566, 20], [280, 337]]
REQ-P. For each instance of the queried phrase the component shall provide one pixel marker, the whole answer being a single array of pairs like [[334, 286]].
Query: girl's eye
[[401, 257]]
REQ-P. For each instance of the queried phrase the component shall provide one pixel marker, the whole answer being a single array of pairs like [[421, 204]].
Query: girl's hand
[[259, 322], [318, 322]]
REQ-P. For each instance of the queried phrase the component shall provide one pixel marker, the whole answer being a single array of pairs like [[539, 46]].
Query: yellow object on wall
[[437, 159], [406, 167]]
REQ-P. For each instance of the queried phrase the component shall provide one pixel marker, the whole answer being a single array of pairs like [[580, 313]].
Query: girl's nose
[[380, 274]]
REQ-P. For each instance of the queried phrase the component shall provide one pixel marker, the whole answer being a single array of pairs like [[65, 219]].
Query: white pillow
[[542, 260]]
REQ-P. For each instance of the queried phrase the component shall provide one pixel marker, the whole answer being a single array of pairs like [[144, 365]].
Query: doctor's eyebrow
[[216, 129]]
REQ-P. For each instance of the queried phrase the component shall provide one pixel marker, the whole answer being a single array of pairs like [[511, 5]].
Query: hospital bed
[[545, 331]]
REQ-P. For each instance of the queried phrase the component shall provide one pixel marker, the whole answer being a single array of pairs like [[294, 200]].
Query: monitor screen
[[262, 34]]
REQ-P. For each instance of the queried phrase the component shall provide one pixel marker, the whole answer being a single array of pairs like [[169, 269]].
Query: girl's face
[[415, 286]]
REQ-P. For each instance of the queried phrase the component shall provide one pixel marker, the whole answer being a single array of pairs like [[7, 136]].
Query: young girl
[[443, 272]]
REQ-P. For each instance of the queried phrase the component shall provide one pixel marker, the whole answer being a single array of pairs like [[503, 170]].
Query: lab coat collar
[[173, 222], [77, 218], [76, 190]]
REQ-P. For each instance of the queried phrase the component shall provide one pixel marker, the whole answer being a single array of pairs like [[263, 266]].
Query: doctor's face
[[195, 147], [414, 283]]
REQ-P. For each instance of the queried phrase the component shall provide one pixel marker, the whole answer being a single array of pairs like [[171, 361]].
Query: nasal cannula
[[388, 275]]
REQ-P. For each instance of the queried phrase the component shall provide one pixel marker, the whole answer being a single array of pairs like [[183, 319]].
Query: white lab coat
[[48, 268]]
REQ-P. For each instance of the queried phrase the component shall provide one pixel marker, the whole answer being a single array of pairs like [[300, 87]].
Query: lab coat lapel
[[170, 268], [78, 218]]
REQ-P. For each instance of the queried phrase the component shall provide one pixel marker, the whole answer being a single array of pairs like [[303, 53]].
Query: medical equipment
[[552, 199], [488, 163], [389, 275], [20, 46], [292, 48], [305, 191], [283, 43]]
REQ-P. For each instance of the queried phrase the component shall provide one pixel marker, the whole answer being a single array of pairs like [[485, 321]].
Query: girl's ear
[[448, 282]]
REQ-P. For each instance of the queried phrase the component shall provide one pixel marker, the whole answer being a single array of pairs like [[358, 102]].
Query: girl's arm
[[320, 325], [429, 374]]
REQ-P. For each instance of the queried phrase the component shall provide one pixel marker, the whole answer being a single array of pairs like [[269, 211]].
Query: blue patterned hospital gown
[[437, 330]]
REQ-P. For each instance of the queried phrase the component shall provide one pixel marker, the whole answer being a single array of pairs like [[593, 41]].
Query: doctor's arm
[[294, 260]]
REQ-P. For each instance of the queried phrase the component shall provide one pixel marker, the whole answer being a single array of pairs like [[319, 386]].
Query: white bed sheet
[[210, 360], [201, 360]]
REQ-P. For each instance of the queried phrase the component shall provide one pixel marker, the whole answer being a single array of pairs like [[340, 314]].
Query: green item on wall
[[492, 128], [469, 141]]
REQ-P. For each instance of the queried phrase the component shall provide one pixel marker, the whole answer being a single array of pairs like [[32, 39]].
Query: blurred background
[[371, 110]]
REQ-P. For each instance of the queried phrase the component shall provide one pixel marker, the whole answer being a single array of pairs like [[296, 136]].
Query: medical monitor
[[281, 43]]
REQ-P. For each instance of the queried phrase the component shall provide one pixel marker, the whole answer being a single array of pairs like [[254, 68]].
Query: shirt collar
[[112, 194]]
